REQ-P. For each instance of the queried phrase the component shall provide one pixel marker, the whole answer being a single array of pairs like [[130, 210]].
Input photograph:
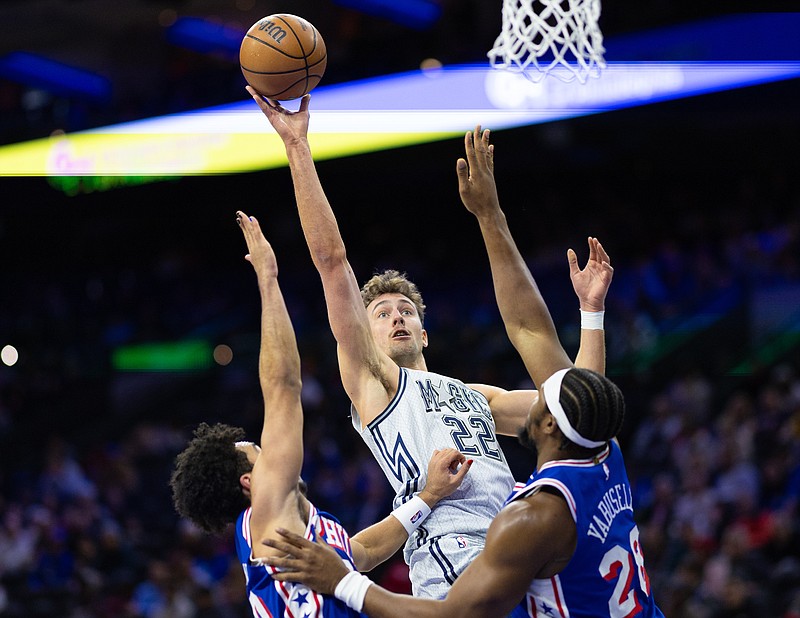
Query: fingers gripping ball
[[283, 56]]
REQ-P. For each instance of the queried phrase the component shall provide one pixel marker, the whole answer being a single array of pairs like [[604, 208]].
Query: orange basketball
[[283, 56]]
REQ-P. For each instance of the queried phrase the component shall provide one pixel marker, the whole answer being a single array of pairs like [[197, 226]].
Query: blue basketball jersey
[[273, 599], [606, 576]]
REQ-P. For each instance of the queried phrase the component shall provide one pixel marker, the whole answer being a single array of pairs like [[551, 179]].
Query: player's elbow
[[363, 559], [327, 252], [519, 334], [289, 384]]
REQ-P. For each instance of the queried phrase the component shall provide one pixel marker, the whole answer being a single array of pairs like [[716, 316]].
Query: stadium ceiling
[[123, 54]]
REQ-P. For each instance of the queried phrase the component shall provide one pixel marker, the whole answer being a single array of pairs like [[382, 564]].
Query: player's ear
[[549, 424], [244, 481], [424, 338]]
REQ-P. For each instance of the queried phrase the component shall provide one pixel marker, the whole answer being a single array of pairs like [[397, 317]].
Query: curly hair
[[205, 480], [593, 404], [393, 282]]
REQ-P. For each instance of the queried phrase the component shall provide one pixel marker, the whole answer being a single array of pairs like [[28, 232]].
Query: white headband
[[552, 398]]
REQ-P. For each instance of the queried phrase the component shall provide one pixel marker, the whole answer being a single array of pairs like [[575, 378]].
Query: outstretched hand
[[476, 184], [446, 469], [316, 565], [290, 126], [260, 253], [591, 284]]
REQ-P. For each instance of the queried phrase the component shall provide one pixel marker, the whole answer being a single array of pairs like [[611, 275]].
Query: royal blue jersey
[[273, 599], [606, 576]]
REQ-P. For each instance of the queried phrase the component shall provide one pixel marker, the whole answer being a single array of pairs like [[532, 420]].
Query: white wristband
[[412, 514], [592, 320], [352, 589]]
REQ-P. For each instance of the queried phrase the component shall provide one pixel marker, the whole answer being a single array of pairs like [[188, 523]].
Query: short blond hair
[[393, 282]]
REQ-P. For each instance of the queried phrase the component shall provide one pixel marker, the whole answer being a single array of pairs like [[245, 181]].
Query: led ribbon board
[[369, 115]]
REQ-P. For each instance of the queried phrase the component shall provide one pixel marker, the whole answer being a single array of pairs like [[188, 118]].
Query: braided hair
[[205, 481], [594, 405]]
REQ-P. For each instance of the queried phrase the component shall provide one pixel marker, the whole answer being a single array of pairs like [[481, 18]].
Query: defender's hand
[[316, 565], [476, 184], [260, 255], [591, 284], [446, 469]]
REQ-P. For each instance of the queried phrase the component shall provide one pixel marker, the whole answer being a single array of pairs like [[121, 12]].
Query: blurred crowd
[[712, 433], [88, 528], [717, 488]]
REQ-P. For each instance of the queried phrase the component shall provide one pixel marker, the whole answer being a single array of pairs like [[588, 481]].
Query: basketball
[[283, 56]]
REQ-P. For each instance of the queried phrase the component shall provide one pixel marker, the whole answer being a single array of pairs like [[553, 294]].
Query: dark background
[[696, 201]]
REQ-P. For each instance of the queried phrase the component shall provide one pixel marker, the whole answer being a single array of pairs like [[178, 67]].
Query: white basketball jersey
[[431, 411]]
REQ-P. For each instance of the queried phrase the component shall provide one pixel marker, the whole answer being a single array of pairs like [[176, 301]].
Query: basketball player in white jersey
[[221, 479], [401, 409], [564, 545]]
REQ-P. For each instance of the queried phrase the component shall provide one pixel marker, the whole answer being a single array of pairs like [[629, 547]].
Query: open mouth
[[400, 333]]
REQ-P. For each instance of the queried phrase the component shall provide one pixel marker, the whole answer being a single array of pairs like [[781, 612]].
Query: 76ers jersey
[[606, 575], [429, 412], [273, 599]]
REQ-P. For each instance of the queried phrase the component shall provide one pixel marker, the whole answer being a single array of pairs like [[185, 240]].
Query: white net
[[558, 37]]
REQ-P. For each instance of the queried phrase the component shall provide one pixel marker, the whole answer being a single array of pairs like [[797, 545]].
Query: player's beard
[[525, 440], [406, 354]]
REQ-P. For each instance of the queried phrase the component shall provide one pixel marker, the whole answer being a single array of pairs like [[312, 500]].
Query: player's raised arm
[[525, 314], [273, 480], [365, 369], [510, 408]]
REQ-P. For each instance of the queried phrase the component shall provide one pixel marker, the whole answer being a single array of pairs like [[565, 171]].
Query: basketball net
[[558, 37]]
